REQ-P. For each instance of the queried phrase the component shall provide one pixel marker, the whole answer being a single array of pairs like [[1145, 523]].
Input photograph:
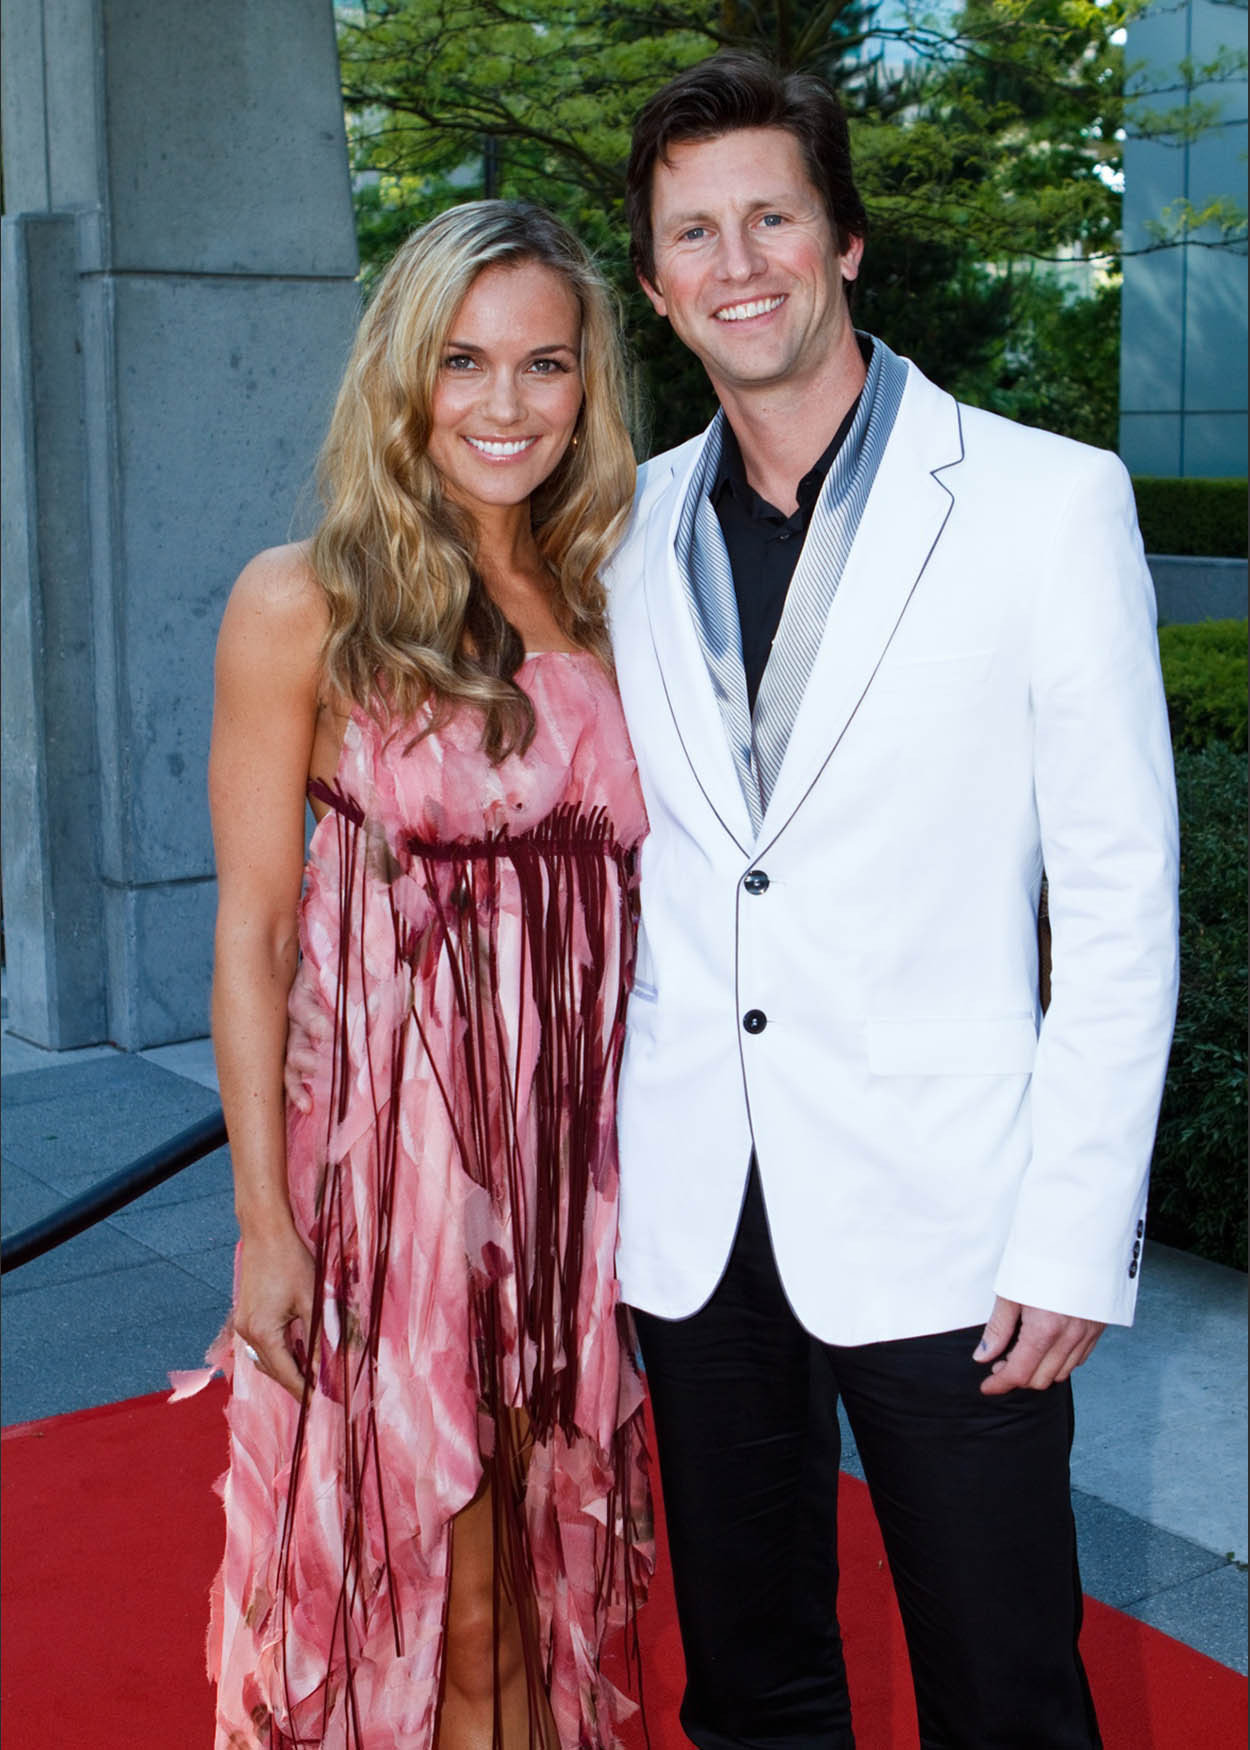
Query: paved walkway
[[1159, 1467]]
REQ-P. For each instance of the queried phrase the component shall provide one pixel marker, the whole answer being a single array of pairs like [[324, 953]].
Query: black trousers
[[971, 1493]]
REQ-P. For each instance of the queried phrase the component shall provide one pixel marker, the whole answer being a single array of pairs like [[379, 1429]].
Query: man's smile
[[744, 312]]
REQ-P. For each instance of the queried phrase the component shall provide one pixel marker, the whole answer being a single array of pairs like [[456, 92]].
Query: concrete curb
[[1198, 589]]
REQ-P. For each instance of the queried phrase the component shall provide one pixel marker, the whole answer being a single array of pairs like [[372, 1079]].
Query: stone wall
[[179, 294]]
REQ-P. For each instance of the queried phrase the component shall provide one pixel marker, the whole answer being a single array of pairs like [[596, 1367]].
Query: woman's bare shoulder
[[277, 598], [280, 584], [275, 619]]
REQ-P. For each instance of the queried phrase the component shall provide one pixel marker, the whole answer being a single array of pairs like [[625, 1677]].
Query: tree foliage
[[986, 137], [996, 128]]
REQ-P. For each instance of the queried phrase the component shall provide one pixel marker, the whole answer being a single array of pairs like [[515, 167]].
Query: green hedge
[[1204, 673], [1198, 1186], [1200, 518]]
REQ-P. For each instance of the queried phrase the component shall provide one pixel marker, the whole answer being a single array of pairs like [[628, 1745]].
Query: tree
[[998, 129], [983, 137]]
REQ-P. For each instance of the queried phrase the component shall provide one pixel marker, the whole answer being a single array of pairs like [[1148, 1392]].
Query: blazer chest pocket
[[1002, 1045], [934, 685]]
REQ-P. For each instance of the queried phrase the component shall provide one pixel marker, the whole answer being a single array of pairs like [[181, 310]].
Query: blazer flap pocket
[[1000, 1045]]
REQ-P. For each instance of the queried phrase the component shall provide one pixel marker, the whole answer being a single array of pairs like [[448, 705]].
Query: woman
[[436, 1500]]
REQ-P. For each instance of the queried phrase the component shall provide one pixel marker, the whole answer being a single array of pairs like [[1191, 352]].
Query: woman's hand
[[274, 1304]]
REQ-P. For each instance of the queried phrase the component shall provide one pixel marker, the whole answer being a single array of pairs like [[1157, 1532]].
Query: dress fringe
[[574, 882]]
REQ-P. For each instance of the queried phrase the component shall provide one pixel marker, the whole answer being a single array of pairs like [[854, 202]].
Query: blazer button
[[755, 1020], [756, 881]]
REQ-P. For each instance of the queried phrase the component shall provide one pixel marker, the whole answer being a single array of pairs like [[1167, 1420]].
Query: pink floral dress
[[469, 929]]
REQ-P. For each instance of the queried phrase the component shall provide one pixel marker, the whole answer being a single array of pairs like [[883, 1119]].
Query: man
[[883, 659]]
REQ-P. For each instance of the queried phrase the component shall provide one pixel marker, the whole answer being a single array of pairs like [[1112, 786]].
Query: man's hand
[[1046, 1348]]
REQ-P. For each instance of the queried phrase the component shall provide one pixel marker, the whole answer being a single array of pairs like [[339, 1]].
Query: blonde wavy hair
[[411, 621]]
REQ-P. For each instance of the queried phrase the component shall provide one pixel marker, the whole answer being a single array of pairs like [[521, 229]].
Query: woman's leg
[[484, 1677]]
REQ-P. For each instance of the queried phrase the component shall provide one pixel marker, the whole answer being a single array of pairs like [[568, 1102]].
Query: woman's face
[[509, 387]]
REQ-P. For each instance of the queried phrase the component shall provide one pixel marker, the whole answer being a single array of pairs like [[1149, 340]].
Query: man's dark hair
[[734, 90]]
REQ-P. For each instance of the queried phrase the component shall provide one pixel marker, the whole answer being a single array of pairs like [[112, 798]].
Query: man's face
[[747, 267]]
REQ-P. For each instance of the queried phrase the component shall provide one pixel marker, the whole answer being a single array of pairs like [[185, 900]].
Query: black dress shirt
[[764, 545]]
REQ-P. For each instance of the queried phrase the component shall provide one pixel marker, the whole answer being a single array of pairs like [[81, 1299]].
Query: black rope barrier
[[114, 1193]]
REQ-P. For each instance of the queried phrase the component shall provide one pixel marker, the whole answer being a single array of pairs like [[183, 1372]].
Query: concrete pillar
[[179, 294], [1183, 326]]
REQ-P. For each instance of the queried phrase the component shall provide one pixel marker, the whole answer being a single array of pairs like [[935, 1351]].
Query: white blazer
[[986, 701]]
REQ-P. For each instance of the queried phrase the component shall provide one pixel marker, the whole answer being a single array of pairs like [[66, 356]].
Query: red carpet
[[111, 1534]]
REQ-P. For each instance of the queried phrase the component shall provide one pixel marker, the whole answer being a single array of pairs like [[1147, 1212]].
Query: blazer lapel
[[684, 672], [901, 525], [822, 562], [703, 560]]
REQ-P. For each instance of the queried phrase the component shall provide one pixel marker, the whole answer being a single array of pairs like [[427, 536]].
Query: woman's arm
[[264, 724]]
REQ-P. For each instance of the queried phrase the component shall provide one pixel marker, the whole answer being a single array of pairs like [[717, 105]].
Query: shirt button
[[755, 1020], [756, 881], [784, 534]]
